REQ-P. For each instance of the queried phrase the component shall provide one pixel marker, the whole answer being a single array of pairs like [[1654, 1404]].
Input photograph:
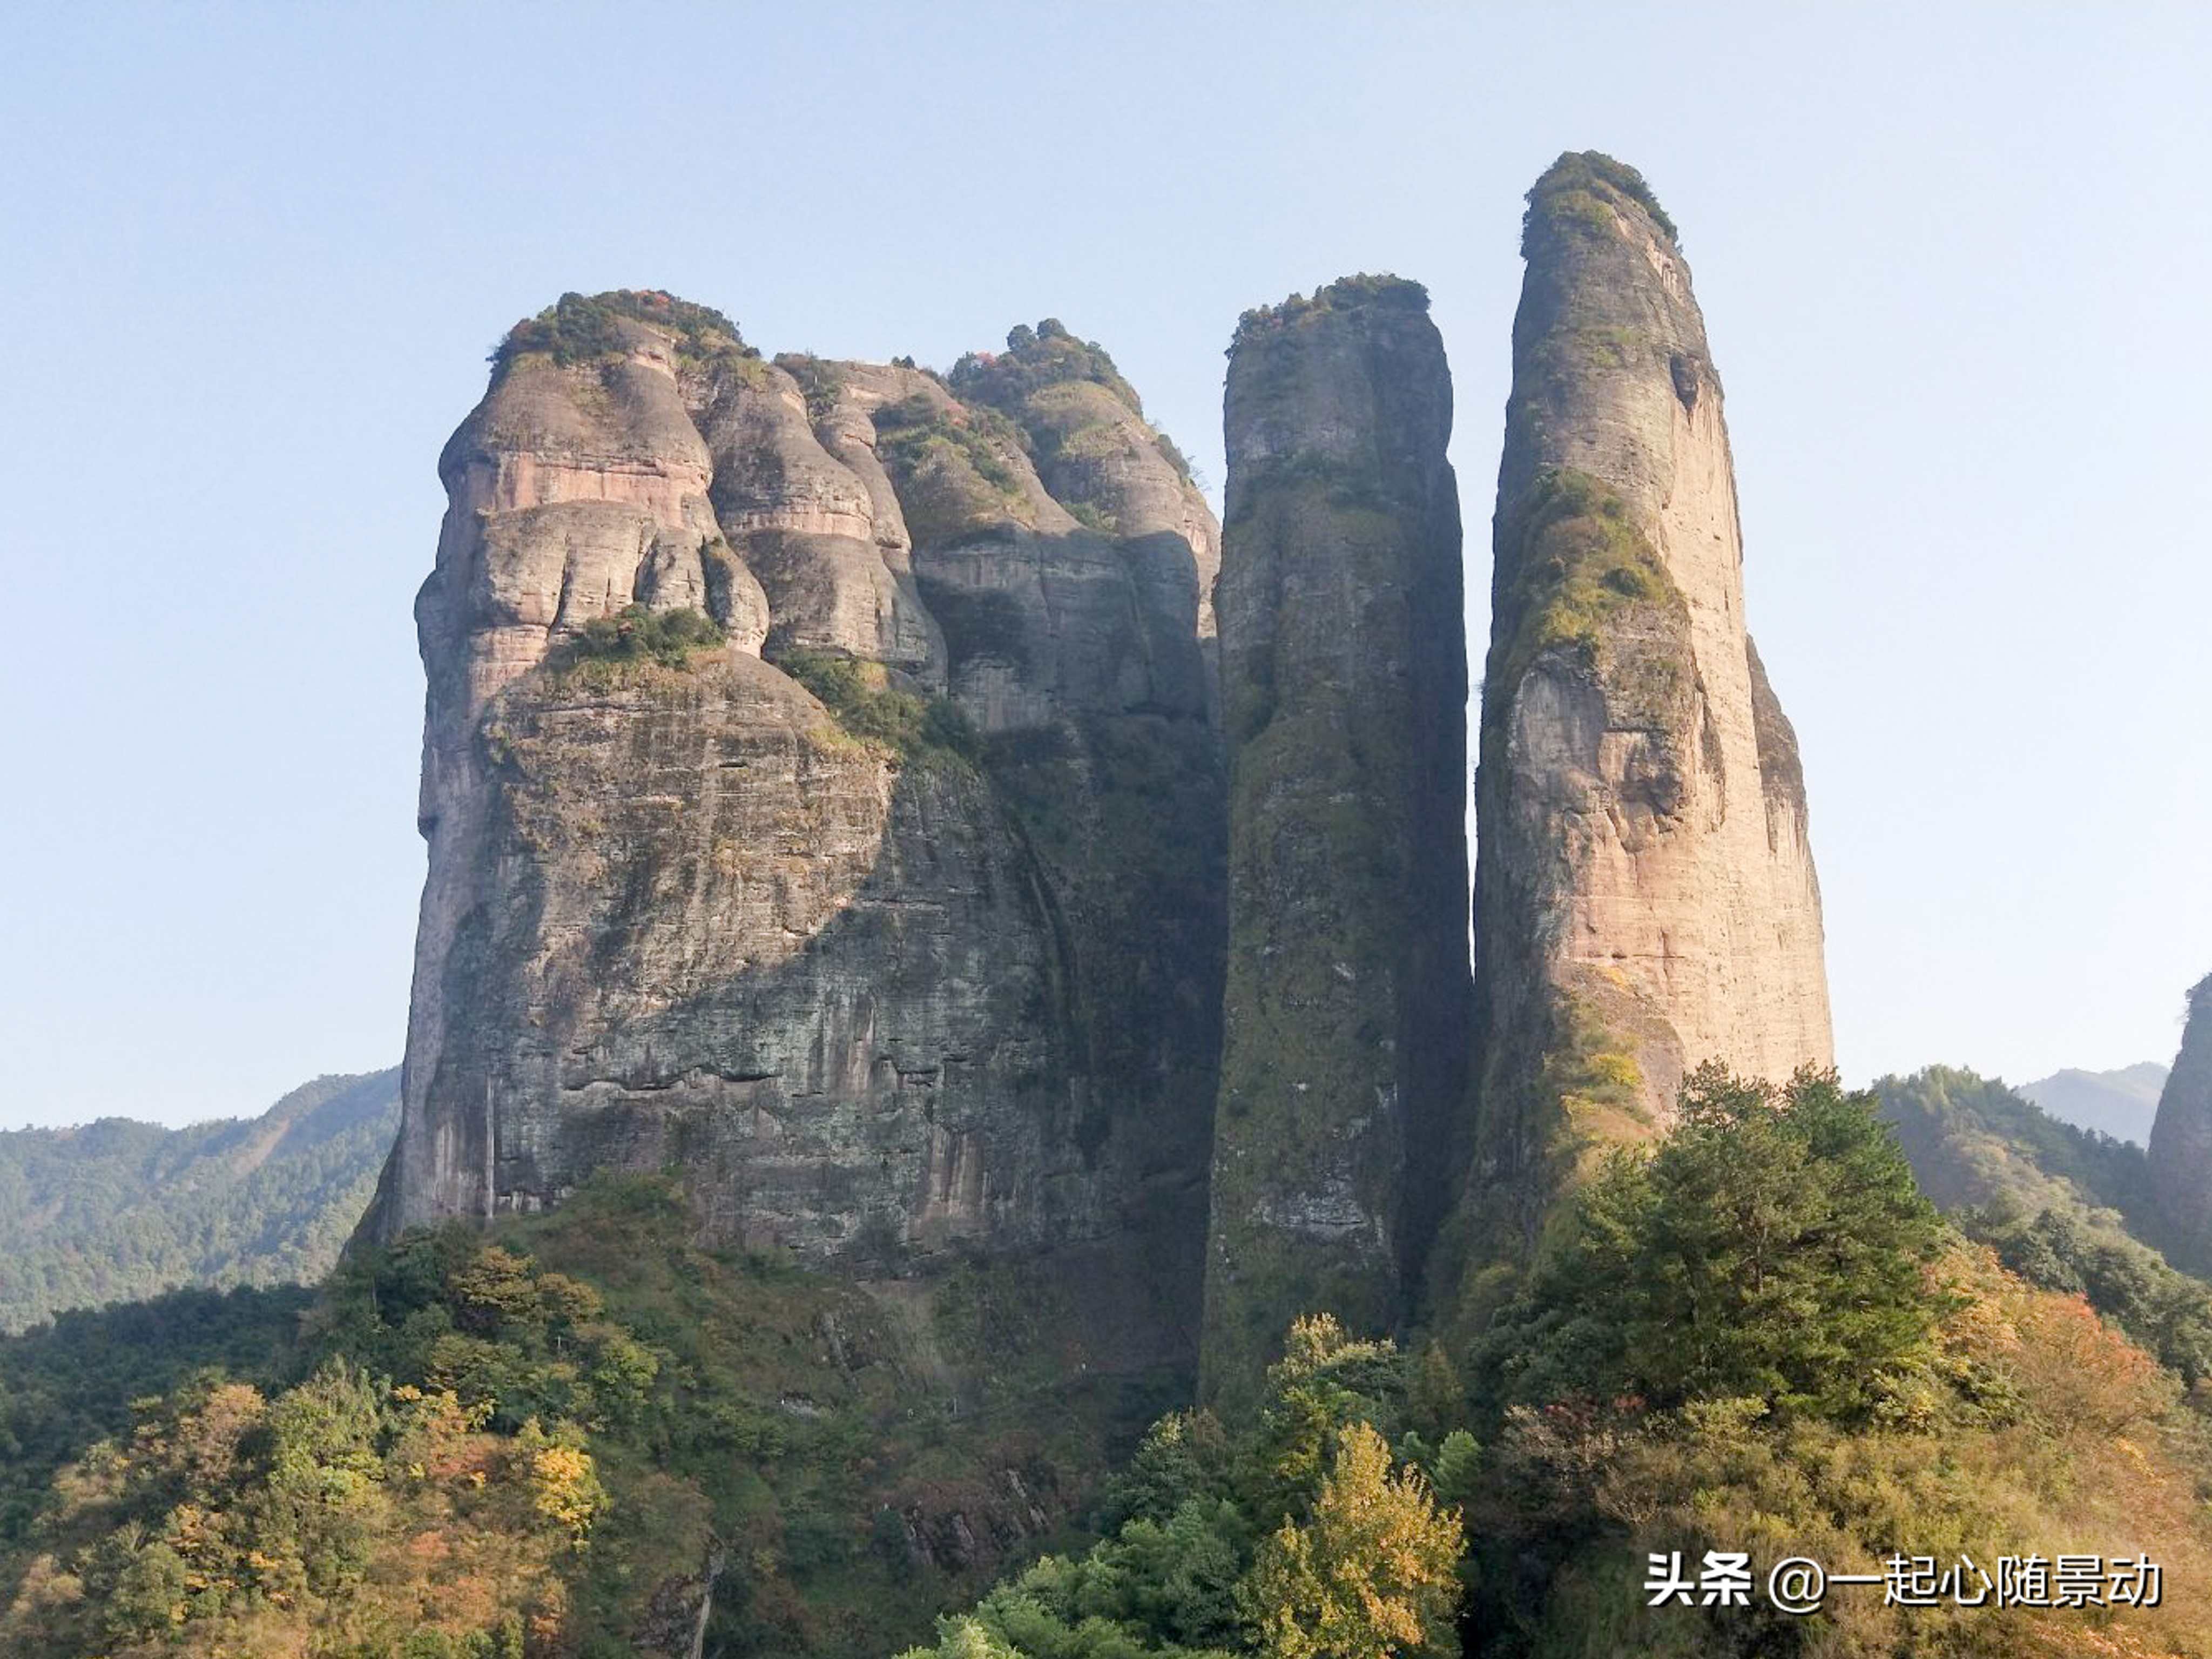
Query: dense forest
[[119, 1210], [1754, 1334]]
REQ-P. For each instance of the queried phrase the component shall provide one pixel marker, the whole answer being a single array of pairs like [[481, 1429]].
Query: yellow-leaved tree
[[1372, 1574]]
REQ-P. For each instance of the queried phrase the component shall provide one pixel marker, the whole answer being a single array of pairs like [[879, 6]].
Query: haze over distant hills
[[2120, 1103], [121, 1210]]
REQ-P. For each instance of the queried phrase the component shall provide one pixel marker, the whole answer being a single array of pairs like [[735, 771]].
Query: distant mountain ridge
[[2120, 1102], [1974, 1141], [120, 1210]]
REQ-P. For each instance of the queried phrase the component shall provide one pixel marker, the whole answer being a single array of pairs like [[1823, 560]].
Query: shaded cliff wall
[[873, 972], [1344, 686], [1644, 895], [2181, 1141]]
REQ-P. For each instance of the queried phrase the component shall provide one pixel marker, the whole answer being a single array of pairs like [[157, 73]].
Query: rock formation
[[870, 971], [2181, 1141], [1644, 895], [1344, 687], [893, 911]]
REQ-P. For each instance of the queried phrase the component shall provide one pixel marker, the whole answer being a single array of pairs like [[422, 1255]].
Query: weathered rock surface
[[869, 986], [2181, 1141], [1645, 896], [673, 1624], [805, 522], [1093, 450], [721, 935], [1343, 684], [1076, 616], [578, 486]]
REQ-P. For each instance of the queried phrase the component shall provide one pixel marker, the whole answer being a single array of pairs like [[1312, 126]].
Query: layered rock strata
[[890, 921], [1343, 688], [2181, 1141], [1645, 897]]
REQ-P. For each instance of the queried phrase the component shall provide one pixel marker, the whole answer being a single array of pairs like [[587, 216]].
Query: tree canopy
[[1772, 1246]]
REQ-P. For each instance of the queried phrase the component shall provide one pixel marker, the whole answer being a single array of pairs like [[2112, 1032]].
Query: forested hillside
[[418, 1476], [2066, 1208], [119, 1210], [1973, 1140], [586, 1436], [1754, 1335]]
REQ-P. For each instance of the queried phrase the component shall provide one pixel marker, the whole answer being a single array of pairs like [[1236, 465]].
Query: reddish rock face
[[1645, 896], [933, 963]]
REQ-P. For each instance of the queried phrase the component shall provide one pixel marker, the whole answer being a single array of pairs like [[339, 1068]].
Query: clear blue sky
[[1954, 260]]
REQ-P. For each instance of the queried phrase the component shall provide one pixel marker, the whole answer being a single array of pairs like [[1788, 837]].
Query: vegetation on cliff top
[[819, 382], [600, 653], [1036, 362], [1380, 290], [582, 328], [1574, 190], [1035, 358]]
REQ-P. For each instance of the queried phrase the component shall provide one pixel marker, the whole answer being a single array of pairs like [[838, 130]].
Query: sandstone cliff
[[2181, 1141], [1344, 678], [874, 971], [1644, 895]]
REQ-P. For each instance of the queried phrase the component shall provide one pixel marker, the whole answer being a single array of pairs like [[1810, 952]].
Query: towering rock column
[[1645, 896], [1343, 688], [2181, 1141]]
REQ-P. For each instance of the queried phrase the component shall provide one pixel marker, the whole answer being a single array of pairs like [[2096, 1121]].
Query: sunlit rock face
[[1343, 688], [1645, 897], [932, 965]]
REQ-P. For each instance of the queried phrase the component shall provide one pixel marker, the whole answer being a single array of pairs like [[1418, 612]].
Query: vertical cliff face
[[2181, 1141], [1071, 620], [870, 970], [577, 487], [1344, 685], [1645, 898]]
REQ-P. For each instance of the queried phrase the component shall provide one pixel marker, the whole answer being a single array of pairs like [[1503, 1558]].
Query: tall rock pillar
[[1645, 896], [1344, 687], [2181, 1141]]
